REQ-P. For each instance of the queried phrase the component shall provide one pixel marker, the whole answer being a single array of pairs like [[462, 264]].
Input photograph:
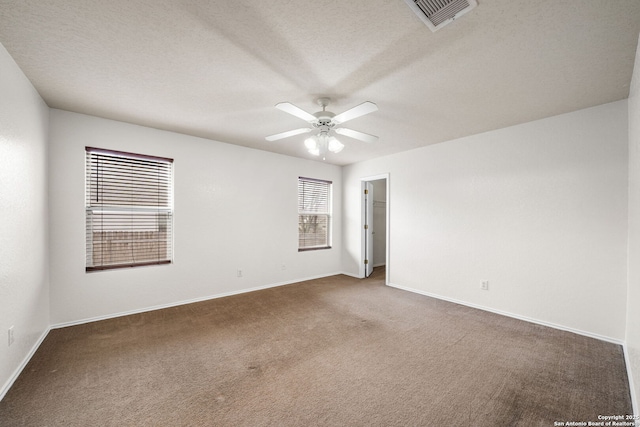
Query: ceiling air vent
[[438, 13]]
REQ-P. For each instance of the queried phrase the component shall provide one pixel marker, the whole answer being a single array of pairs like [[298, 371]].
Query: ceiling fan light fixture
[[321, 143], [335, 146], [311, 143]]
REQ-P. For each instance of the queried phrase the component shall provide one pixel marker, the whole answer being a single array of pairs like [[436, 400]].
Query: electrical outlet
[[485, 285], [239, 273], [11, 336], [284, 267]]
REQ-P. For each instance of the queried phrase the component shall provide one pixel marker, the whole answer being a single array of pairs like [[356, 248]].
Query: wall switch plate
[[239, 273], [11, 335], [485, 285]]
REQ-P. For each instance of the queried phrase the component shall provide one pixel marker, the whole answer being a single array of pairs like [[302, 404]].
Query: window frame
[[143, 215], [311, 212]]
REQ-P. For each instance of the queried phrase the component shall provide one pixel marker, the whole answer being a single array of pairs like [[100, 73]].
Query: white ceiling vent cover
[[438, 13]]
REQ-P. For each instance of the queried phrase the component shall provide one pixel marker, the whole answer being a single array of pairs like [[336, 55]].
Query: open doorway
[[375, 225]]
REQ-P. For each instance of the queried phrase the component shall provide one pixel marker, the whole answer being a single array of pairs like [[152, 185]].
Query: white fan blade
[[288, 134], [357, 111], [356, 134], [288, 107]]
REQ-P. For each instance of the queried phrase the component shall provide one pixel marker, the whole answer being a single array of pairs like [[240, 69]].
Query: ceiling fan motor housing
[[324, 123]]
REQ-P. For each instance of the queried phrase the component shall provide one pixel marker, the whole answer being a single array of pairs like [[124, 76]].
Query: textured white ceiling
[[217, 68]]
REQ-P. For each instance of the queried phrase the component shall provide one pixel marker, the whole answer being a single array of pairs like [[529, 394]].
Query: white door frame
[[367, 190], [362, 273]]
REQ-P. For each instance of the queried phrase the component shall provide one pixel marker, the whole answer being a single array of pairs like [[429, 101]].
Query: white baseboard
[[515, 316], [7, 385], [355, 276], [184, 302], [627, 362]]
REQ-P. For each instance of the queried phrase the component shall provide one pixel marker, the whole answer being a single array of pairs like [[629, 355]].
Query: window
[[314, 214], [129, 217]]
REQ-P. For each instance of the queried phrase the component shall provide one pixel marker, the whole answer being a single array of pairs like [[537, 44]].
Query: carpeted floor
[[330, 352]]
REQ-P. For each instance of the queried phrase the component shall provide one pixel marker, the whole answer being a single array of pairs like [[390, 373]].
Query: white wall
[[539, 210], [235, 208], [633, 298], [24, 274]]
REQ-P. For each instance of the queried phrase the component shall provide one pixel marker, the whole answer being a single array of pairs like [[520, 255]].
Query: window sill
[[117, 266], [313, 249]]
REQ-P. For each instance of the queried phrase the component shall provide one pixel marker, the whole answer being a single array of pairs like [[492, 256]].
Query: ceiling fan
[[324, 122]]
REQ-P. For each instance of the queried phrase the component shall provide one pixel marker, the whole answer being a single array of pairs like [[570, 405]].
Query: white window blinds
[[129, 217], [314, 214]]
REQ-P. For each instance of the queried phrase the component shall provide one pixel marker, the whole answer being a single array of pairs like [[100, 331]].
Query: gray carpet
[[330, 352]]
